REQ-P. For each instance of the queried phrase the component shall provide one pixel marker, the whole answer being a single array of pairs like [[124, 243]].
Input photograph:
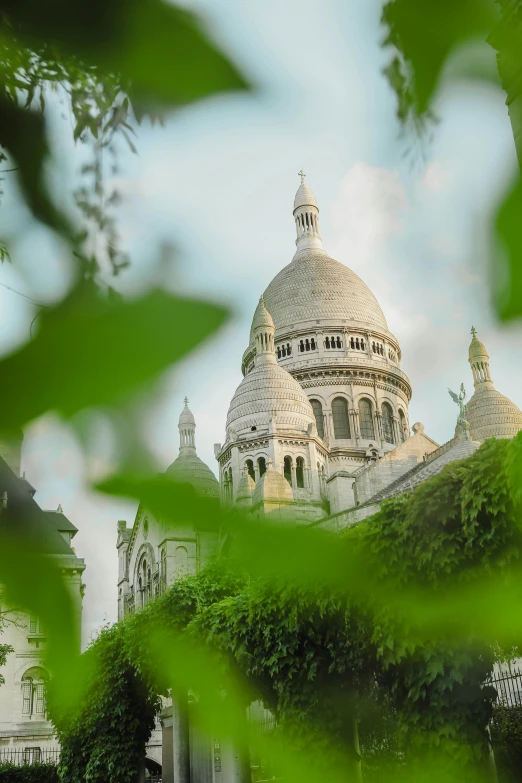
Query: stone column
[[329, 425], [256, 471], [355, 422], [396, 430], [180, 739], [294, 477]]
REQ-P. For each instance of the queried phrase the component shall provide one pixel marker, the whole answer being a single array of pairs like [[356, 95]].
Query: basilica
[[317, 433]]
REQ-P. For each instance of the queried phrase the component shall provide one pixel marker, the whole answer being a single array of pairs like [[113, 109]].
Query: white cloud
[[370, 208]]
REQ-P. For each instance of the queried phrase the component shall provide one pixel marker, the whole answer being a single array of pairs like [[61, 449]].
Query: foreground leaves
[[92, 351]]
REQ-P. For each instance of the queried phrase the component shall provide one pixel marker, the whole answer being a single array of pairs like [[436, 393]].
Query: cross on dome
[[473, 331], [302, 174], [186, 402]]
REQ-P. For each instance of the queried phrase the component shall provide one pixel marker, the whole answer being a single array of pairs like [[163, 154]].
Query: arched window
[[307, 344], [403, 425], [261, 464], [288, 469], [373, 346], [288, 349], [362, 345], [339, 343], [312, 343], [366, 419], [318, 413], [250, 466], [387, 423], [301, 346], [181, 559], [299, 472], [327, 342], [341, 423], [352, 342], [34, 686], [278, 352]]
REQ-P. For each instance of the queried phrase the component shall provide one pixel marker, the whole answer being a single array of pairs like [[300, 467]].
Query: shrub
[[28, 773]]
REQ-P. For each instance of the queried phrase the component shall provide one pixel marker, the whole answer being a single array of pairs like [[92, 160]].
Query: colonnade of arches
[[367, 420]]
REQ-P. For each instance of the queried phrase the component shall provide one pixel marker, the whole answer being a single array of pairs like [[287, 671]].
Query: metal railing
[[29, 755], [507, 681]]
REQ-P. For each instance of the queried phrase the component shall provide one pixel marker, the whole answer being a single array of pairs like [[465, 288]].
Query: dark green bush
[[506, 738], [28, 773]]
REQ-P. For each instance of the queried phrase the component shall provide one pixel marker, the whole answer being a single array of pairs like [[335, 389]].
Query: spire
[[263, 330], [306, 215], [187, 430], [479, 361]]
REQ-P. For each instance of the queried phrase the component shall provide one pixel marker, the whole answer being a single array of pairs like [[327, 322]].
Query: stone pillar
[[180, 739], [396, 430], [294, 477], [329, 422], [256, 471]]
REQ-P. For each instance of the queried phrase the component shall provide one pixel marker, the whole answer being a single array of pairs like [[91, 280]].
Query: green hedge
[[28, 773], [506, 738]]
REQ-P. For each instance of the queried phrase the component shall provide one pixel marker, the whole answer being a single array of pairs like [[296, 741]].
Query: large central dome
[[314, 287]]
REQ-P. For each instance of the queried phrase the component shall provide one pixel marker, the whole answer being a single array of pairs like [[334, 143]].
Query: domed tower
[[489, 413], [188, 467], [270, 422], [332, 336]]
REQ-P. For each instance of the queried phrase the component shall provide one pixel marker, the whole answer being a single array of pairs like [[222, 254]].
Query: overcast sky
[[218, 181]]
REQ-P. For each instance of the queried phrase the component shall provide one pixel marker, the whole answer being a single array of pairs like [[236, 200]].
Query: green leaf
[[22, 133], [160, 50], [507, 263], [427, 32], [91, 351]]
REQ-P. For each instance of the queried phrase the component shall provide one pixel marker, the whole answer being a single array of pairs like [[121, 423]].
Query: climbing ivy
[[315, 655]]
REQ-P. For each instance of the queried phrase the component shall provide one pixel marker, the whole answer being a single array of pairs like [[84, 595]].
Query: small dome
[[262, 318], [492, 415], [477, 350], [268, 392], [304, 197], [186, 415], [188, 468]]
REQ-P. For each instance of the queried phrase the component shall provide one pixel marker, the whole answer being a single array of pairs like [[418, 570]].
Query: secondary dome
[[268, 391], [492, 415], [315, 287], [190, 469]]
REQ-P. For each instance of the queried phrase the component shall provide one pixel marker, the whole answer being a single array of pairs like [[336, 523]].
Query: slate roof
[[38, 528]]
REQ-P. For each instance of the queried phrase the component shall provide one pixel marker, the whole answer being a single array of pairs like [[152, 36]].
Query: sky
[[217, 182]]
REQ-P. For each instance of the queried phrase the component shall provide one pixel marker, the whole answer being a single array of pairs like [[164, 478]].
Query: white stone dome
[[269, 392], [315, 287], [304, 197], [188, 468], [492, 415]]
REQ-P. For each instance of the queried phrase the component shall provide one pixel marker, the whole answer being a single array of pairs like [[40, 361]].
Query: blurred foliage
[[28, 773], [424, 38]]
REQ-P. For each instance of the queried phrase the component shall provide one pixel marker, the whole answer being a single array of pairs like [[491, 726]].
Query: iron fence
[[507, 681], [29, 755]]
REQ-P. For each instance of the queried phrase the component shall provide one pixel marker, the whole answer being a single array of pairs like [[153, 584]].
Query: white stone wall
[[19, 730], [392, 466]]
